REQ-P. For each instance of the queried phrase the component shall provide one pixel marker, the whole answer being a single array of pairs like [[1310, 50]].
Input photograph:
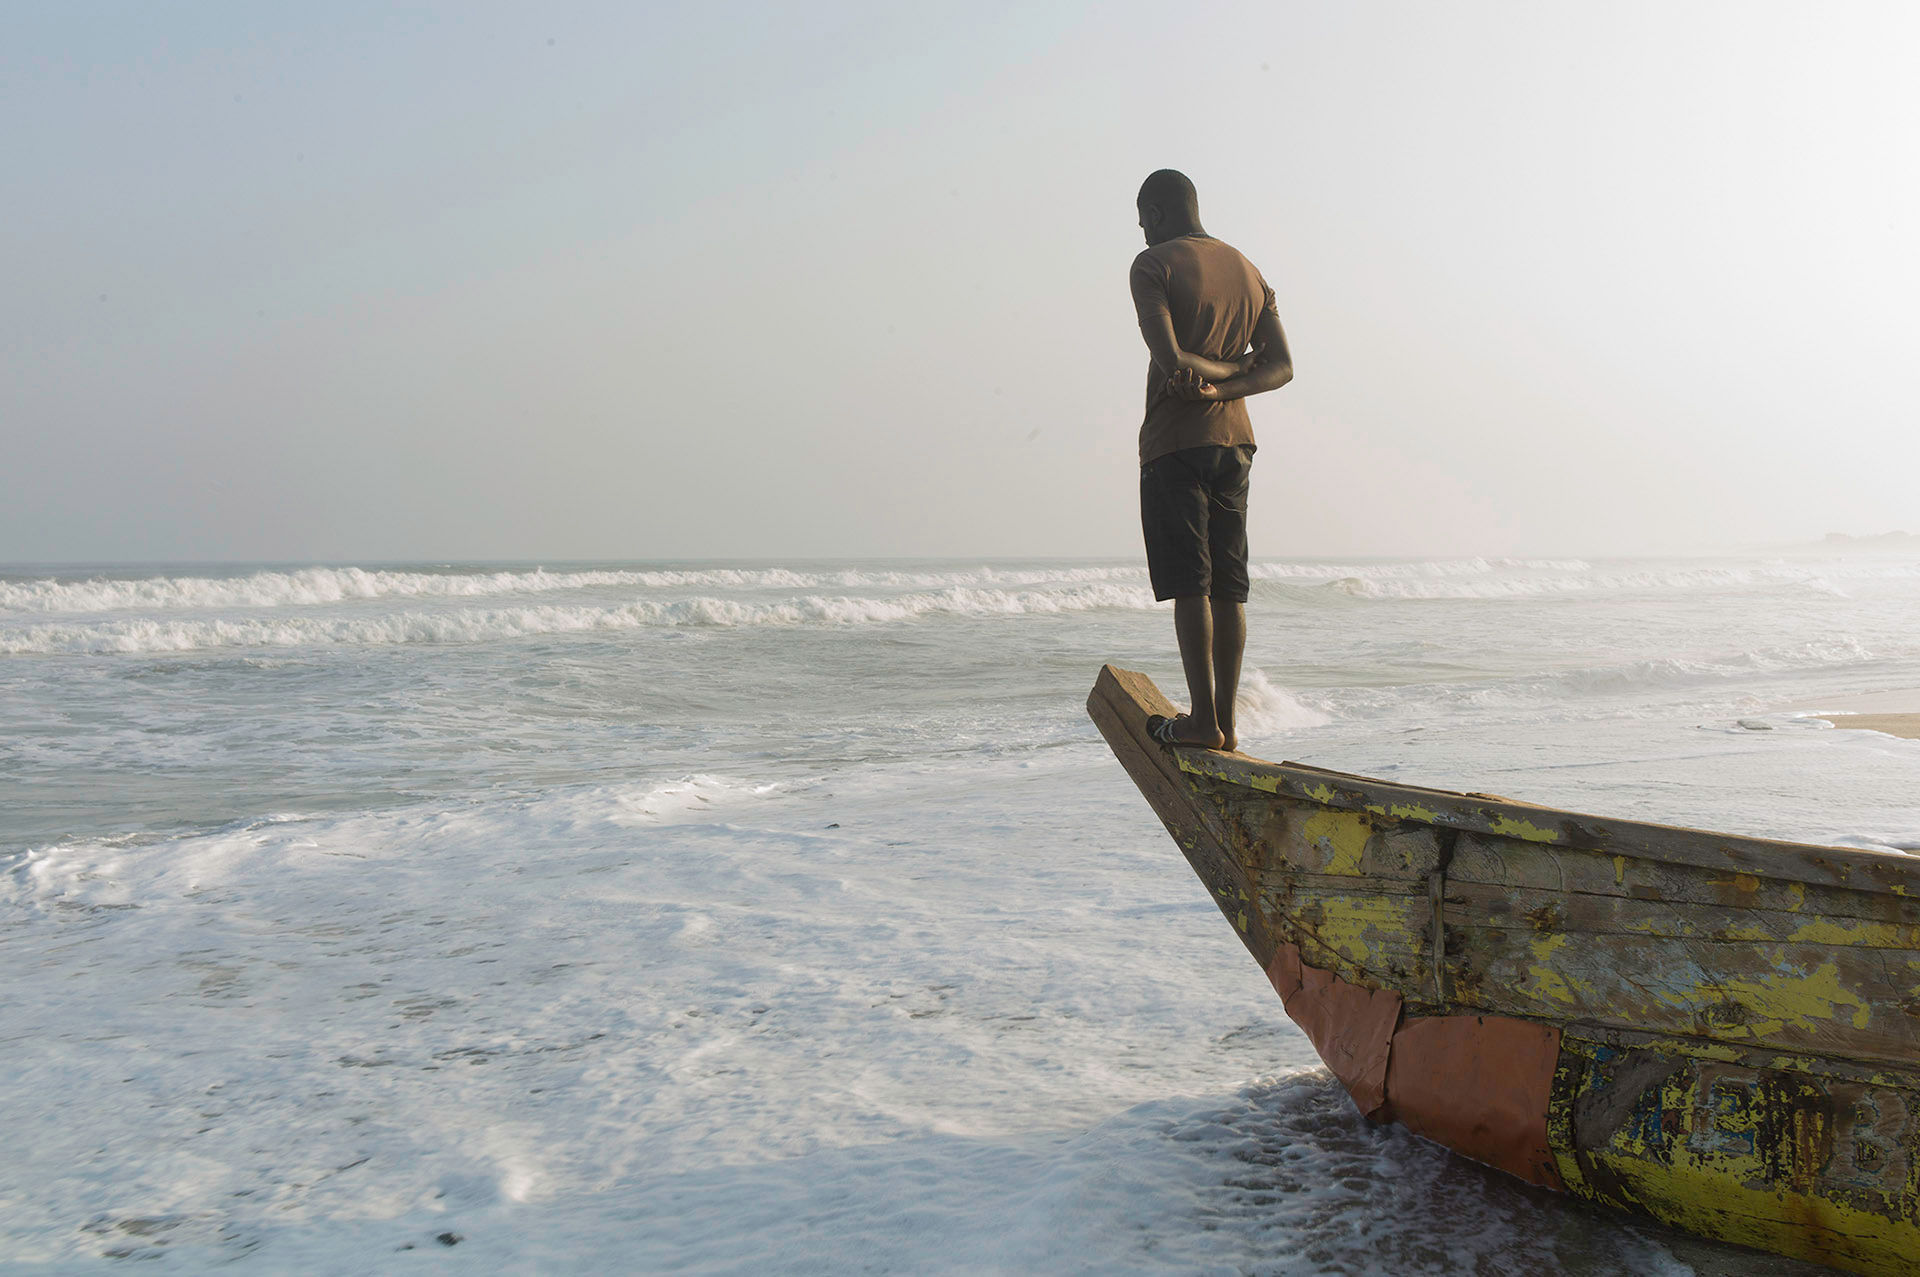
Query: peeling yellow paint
[[1203, 767], [1804, 999], [1525, 831], [1715, 1202], [1242, 920], [1849, 932], [1695, 1154], [1619, 870], [1548, 982], [1344, 834], [1855, 931], [1353, 927]]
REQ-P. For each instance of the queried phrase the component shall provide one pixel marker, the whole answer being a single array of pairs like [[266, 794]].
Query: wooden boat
[[1719, 1032]]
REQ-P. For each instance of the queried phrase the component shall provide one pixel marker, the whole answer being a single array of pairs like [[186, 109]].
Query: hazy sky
[[342, 281]]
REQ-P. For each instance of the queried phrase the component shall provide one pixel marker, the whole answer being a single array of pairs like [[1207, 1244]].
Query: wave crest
[[308, 587], [1264, 708], [475, 625]]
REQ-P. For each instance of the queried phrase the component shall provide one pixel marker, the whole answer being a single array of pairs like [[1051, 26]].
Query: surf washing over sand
[[792, 915]]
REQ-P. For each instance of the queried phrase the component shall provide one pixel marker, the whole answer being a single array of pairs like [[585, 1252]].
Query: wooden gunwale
[[1854, 868]]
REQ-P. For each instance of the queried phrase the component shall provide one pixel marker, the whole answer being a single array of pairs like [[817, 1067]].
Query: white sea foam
[[1266, 709], [122, 872], [1824, 579], [308, 587], [568, 1038], [304, 587], [770, 948], [1415, 569], [474, 625], [1418, 579], [695, 795]]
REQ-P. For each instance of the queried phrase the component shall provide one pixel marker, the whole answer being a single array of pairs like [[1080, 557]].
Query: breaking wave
[[1417, 569], [318, 586], [1265, 708], [1825, 579], [472, 625], [1469, 578]]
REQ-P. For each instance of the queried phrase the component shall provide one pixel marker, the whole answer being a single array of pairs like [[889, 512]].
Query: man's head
[[1168, 206]]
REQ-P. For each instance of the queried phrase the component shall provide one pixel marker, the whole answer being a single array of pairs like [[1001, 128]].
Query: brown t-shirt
[[1214, 297]]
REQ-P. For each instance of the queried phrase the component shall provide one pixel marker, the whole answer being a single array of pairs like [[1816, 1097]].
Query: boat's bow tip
[[1130, 698]]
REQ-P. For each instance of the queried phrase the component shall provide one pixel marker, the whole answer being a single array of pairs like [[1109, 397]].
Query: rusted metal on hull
[[1719, 1032]]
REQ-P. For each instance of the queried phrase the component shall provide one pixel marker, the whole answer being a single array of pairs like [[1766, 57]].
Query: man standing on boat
[[1209, 321]]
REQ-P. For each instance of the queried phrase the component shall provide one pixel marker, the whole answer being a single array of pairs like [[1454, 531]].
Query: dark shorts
[[1193, 510]]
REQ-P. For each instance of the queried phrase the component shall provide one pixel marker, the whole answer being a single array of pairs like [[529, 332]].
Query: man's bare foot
[[1183, 729]]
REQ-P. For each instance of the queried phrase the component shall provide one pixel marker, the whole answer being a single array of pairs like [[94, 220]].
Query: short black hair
[[1171, 191]]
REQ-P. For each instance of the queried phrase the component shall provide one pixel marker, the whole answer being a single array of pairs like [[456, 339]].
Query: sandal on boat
[[1160, 727]]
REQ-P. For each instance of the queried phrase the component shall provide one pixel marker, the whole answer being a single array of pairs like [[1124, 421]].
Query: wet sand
[[1897, 713], [1907, 725]]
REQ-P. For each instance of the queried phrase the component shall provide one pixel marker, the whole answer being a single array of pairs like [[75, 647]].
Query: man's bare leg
[[1229, 645], [1193, 626]]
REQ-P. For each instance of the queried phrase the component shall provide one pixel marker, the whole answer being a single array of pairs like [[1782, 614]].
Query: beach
[[1894, 713], [790, 914], [1905, 725]]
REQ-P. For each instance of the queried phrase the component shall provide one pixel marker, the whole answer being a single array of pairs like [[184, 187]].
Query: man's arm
[[1157, 330], [1272, 368]]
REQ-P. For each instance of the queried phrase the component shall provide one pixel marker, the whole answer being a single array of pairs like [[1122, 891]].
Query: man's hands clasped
[[1187, 383]]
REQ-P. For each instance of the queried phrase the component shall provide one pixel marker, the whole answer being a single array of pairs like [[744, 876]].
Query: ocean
[[791, 915]]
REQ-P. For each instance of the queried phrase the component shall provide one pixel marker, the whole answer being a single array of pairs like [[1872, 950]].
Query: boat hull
[[1716, 1032]]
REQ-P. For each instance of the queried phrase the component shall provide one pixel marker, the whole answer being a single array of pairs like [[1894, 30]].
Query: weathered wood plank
[[1510, 863], [1613, 917], [1469, 813], [1853, 1003], [1905, 1075], [1370, 938], [1273, 880], [1301, 837]]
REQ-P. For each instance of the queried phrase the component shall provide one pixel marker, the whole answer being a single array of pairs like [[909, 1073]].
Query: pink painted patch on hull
[[1349, 1025], [1479, 1084]]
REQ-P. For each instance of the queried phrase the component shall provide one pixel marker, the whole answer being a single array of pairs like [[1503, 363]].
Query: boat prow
[[1717, 1031]]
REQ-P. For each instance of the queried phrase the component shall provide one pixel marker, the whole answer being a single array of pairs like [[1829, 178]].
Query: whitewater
[[791, 915]]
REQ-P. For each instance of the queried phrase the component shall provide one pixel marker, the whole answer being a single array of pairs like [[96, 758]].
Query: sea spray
[[1266, 709]]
